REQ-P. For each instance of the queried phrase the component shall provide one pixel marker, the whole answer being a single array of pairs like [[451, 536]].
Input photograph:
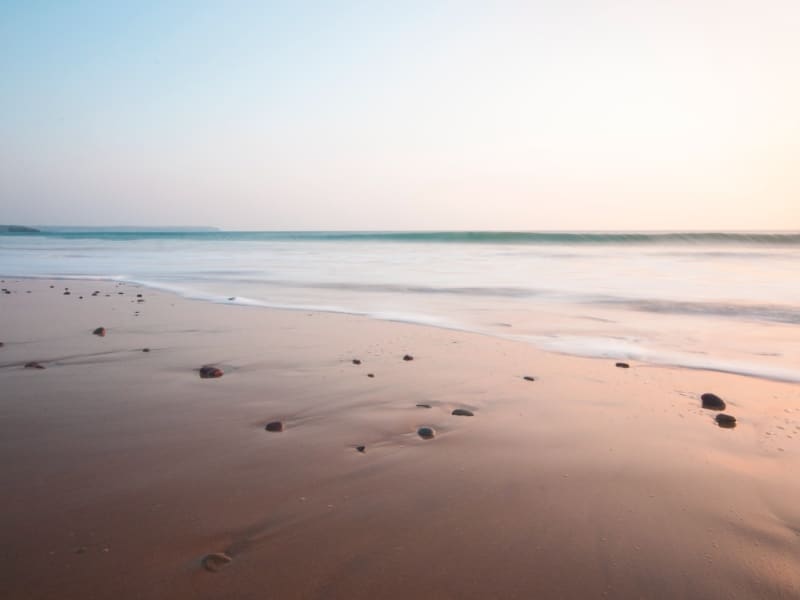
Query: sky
[[557, 115]]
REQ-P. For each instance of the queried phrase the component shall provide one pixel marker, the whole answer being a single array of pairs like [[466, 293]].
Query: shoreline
[[125, 468], [652, 357]]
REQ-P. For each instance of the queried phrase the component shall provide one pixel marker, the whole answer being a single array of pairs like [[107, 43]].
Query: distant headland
[[18, 229]]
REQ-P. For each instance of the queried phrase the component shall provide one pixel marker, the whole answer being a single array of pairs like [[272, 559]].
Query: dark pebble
[[52, 286], [209, 372], [356, 361], [216, 561], [101, 331], [462, 412], [370, 374], [529, 378], [623, 365], [361, 449], [232, 298], [1, 344], [80, 297], [145, 349], [408, 357], [275, 426], [712, 402], [423, 405], [66, 293], [426, 433], [34, 365], [138, 295], [726, 421]]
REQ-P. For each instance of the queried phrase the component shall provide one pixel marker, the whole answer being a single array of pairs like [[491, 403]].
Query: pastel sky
[[531, 115]]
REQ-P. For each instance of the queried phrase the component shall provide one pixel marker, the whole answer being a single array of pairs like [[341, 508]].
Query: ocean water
[[720, 301]]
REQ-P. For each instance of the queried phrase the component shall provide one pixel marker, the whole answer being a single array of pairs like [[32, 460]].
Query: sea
[[723, 301]]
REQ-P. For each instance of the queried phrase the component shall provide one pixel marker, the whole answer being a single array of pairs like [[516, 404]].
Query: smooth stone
[[529, 378], [370, 374], [361, 449], [462, 412], [1, 344], [34, 365], [423, 406], [726, 421], [274, 426], [209, 372], [66, 293], [145, 349], [101, 331], [712, 402], [426, 433], [216, 561], [408, 357], [356, 361], [138, 295], [623, 365]]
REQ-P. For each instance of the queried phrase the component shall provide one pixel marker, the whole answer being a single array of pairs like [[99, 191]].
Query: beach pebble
[[209, 372], [34, 365], [361, 449], [462, 412], [216, 561], [138, 295], [726, 421], [1, 344], [623, 365], [408, 357], [101, 331], [356, 361], [145, 349], [423, 405], [274, 426], [712, 402], [529, 378], [426, 433], [370, 374], [66, 293]]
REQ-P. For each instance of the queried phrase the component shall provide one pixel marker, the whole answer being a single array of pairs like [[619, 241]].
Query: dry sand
[[122, 469]]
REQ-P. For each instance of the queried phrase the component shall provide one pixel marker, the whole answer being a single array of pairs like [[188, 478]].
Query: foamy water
[[728, 302]]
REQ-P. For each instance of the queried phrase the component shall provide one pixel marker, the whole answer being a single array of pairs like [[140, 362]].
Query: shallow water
[[723, 301]]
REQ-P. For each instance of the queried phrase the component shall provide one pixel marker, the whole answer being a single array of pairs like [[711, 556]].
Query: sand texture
[[127, 475]]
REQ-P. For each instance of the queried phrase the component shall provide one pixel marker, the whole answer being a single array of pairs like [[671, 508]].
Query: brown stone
[[209, 372], [274, 426], [462, 412], [726, 421], [408, 357], [216, 561], [101, 331], [34, 365], [623, 365], [712, 402]]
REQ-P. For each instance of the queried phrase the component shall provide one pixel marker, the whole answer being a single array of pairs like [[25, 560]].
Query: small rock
[[52, 286], [408, 357], [274, 426], [370, 375], [138, 295], [361, 449], [216, 561], [462, 412], [66, 293], [1, 344], [34, 365], [712, 402], [529, 378], [623, 365], [423, 405], [426, 433], [209, 372], [726, 421], [356, 361], [232, 298], [145, 349], [101, 331]]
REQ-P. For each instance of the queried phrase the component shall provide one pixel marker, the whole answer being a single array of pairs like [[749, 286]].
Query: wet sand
[[122, 469]]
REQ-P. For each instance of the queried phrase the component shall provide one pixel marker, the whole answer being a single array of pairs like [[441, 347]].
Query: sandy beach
[[123, 469]]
